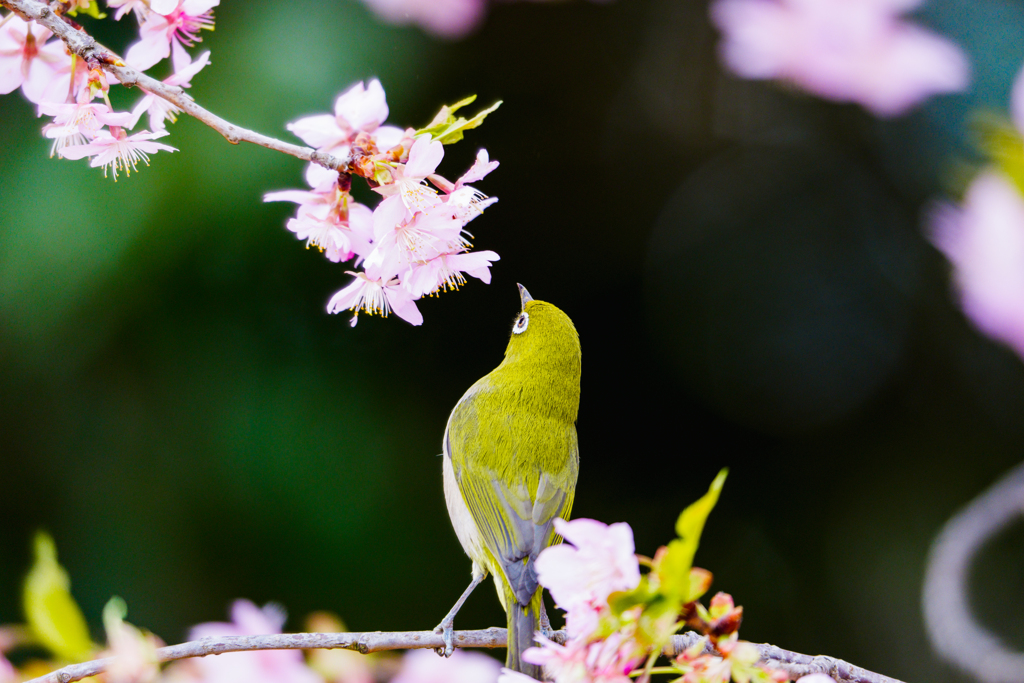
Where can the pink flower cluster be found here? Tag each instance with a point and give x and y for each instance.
(843, 50)
(67, 89)
(414, 243)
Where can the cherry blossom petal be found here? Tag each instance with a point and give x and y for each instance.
(424, 157)
(362, 107)
(320, 131)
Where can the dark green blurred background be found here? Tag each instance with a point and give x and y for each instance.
(746, 267)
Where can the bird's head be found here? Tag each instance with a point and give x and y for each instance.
(542, 334)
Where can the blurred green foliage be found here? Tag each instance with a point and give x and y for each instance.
(746, 266)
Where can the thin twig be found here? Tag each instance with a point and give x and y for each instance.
(85, 46)
(955, 632)
(376, 641)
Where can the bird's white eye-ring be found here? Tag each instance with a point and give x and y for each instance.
(522, 322)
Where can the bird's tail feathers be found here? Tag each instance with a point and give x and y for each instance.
(523, 622)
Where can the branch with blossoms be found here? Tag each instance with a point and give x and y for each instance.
(796, 665)
(619, 622)
(412, 244)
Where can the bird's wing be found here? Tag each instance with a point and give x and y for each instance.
(513, 502)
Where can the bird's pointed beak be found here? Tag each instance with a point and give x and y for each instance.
(524, 295)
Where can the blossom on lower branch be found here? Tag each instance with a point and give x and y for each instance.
(263, 666)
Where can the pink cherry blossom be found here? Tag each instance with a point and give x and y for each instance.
(117, 151)
(375, 296)
(42, 69)
(265, 666)
(399, 246)
(581, 578)
(76, 124)
(607, 660)
(159, 109)
(181, 25)
(465, 201)
(423, 666)
(445, 272)
(408, 178)
(361, 108)
(842, 50)
(984, 240)
(139, 7)
(444, 18)
(327, 217)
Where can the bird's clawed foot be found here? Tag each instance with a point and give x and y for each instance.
(447, 630)
(545, 623)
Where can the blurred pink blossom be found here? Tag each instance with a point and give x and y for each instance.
(133, 652)
(816, 678)
(8, 674)
(423, 666)
(581, 578)
(264, 666)
(984, 240)
(42, 69)
(608, 660)
(1017, 102)
(443, 18)
(842, 50)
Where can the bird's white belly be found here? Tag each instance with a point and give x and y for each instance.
(465, 527)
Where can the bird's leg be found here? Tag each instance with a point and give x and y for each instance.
(545, 622)
(447, 625)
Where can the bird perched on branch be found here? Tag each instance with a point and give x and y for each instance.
(510, 465)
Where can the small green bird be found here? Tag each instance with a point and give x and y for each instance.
(510, 465)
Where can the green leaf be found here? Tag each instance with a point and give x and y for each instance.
(999, 140)
(677, 560)
(620, 601)
(691, 523)
(93, 10)
(446, 128)
(53, 615)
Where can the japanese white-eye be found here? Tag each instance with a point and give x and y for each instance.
(510, 466)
